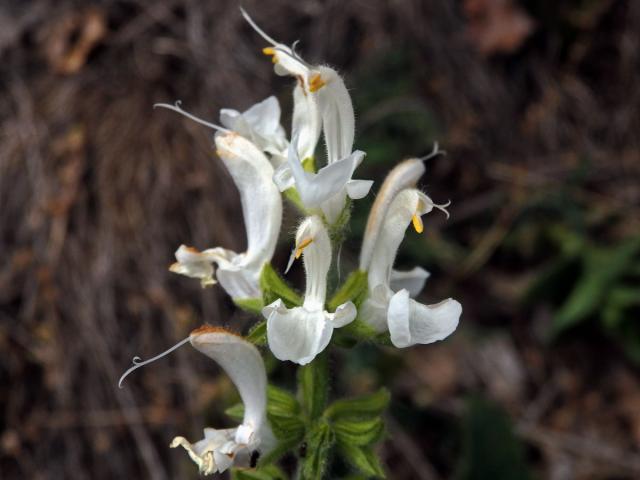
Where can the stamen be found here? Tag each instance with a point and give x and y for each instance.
(269, 51)
(304, 244)
(434, 153)
(417, 223)
(316, 82)
(177, 108)
(137, 361)
(258, 30)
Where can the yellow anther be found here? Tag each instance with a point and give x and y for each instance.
(269, 51)
(417, 223)
(316, 82)
(303, 244)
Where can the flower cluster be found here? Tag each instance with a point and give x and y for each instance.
(376, 302)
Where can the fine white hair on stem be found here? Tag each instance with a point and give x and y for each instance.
(177, 108)
(137, 361)
(257, 28)
(434, 153)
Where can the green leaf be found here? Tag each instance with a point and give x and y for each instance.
(313, 381)
(258, 333)
(274, 287)
(490, 448)
(269, 472)
(355, 288)
(363, 459)
(366, 406)
(319, 443)
(236, 412)
(282, 448)
(603, 268)
(251, 305)
(359, 432)
(285, 427)
(282, 402)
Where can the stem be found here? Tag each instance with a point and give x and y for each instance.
(313, 386)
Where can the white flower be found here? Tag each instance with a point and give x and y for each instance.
(239, 273)
(320, 94)
(300, 333)
(260, 124)
(389, 305)
(220, 449)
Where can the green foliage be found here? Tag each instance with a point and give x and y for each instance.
(587, 282)
(358, 432)
(273, 287)
(258, 333)
(353, 289)
(251, 305)
(319, 440)
(603, 270)
(363, 459)
(366, 406)
(269, 472)
(313, 382)
(490, 448)
(357, 425)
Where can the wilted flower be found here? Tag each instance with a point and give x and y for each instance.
(300, 333)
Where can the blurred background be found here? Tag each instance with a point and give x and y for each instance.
(538, 106)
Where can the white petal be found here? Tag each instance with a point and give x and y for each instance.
(404, 175)
(314, 189)
(240, 282)
(344, 314)
(296, 334)
(264, 117)
(411, 322)
(373, 310)
(229, 117)
(242, 362)
(357, 189)
(195, 264)
(261, 202)
(317, 261)
(338, 120)
(412, 280)
(283, 177)
(391, 234)
(306, 122)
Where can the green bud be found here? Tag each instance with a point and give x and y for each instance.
(281, 402)
(353, 289)
(258, 333)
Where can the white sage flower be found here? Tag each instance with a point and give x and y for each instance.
(241, 445)
(220, 449)
(389, 305)
(300, 333)
(239, 273)
(320, 97)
